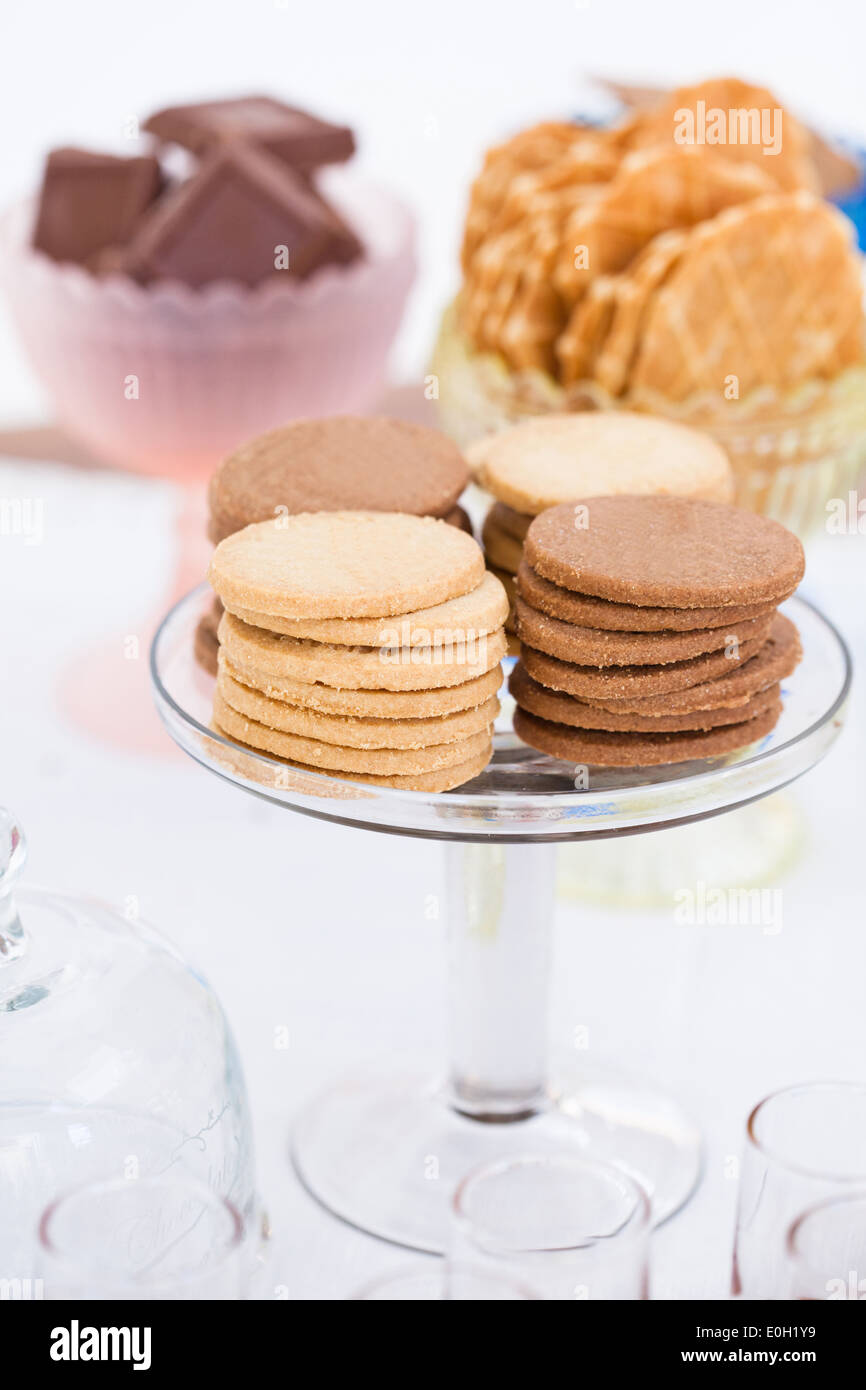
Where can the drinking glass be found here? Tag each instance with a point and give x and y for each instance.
(169, 1237)
(566, 1227)
(803, 1145)
(826, 1250)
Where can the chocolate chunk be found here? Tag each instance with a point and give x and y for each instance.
(302, 140)
(92, 201)
(230, 221)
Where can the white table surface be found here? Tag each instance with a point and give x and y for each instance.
(346, 958)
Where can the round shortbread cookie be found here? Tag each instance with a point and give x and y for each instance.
(557, 708)
(459, 517)
(381, 762)
(773, 662)
(477, 613)
(369, 704)
(562, 458)
(598, 748)
(345, 565)
(509, 522)
(619, 682)
(586, 611)
(502, 551)
(668, 552)
(206, 645)
(507, 581)
(351, 732)
(341, 463)
(358, 668)
(443, 779)
(586, 646)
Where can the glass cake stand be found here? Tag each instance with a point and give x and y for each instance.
(385, 1154)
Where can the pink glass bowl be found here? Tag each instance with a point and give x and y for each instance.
(166, 380)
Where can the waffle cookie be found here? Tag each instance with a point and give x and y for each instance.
(682, 254)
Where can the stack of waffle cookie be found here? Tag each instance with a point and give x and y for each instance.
(344, 463)
(649, 630)
(362, 644)
(554, 458)
(650, 265)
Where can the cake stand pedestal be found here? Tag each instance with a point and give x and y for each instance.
(385, 1153)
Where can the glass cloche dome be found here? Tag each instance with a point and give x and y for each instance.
(115, 1058)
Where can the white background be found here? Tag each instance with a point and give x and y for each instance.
(320, 928)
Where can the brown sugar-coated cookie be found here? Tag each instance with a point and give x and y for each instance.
(586, 611)
(340, 464)
(669, 552)
(206, 645)
(564, 709)
(507, 582)
(509, 522)
(775, 660)
(621, 682)
(502, 551)
(600, 748)
(345, 565)
(586, 646)
(457, 516)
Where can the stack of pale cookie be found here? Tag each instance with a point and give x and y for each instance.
(364, 644)
(345, 463)
(555, 458)
(649, 629)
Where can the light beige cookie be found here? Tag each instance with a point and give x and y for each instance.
(358, 668)
(501, 550)
(276, 774)
(381, 762)
(482, 610)
(370, 704)
(345, 565)
(352, 732)
(563, 458)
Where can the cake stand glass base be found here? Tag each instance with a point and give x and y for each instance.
(385, 1155)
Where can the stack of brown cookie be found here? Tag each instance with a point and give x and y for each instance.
(344, 463)
(552, 459)
(363, 644)
(649, 629)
